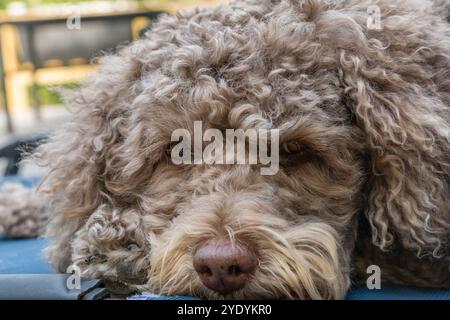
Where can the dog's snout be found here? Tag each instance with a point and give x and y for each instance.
(224, 266)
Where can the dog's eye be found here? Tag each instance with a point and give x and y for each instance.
(291, 147)
(132, 247)
(89, 259)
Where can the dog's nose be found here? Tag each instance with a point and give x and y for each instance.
(224, 266)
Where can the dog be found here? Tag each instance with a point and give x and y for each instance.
(362, 107)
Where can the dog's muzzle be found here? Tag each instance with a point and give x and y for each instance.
(224, 266)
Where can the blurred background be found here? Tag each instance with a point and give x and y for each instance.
(49, 43)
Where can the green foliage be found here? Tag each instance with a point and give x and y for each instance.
(47, 96)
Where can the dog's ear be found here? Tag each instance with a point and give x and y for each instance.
(102, 153)
(399, 98)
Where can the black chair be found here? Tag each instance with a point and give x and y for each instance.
(13, 150)
(42, 42)
(52, 40)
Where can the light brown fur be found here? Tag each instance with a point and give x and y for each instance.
(369, 107)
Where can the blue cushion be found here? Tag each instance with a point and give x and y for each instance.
(388, 292)
(25, 181)
(25, 256)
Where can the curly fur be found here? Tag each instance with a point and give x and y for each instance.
(369, 107)
(22, 212)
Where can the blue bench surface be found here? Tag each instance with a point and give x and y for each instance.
(23, 256)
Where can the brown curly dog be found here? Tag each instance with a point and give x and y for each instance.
(364, 174)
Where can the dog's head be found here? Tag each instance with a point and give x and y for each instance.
(362, 130)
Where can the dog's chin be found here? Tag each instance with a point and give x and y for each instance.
(301, 262)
